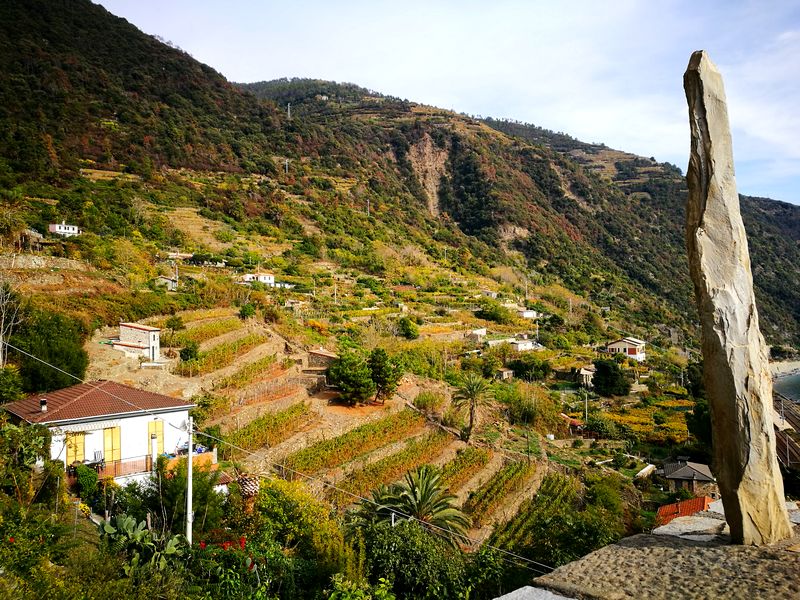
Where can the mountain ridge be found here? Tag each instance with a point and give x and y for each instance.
(606, 223)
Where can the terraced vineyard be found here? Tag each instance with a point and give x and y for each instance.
(464, 466)
(272, 428)
(355, 443)
(206, 331)
(220, 356)
(482, 503)
(416, 452)
(246, 375)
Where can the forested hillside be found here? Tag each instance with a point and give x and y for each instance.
(84, 89)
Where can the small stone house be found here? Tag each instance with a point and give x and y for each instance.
(170, 283)
(695, 477)
(139, 340)
(321, 358)
(504, 374)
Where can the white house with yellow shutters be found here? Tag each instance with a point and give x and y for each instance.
(114, 428)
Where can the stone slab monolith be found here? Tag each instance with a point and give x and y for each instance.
(736, 369)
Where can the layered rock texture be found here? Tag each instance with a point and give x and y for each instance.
(737, 376)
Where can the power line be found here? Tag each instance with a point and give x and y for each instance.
(437, 530)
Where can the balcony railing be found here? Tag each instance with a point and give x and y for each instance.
(136, 465)
(114, 468)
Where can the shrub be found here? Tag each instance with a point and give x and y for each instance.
(190, 351)
(407, 328)
(428, 401)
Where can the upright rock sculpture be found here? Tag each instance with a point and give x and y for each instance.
(737, 378)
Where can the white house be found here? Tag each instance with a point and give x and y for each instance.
(500, 342)
(630, 347)
(137, 339)
(267, 279)
(526, 313)
(116, 429)
(525, 345)
(64, 229)
(489, 293)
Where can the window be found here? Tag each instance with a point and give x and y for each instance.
(111, 444)
(76, 447)
(156, 427)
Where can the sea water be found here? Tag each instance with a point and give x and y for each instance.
(789, 386)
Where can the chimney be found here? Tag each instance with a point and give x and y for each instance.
(43, 404)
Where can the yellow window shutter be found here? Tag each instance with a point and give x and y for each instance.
(117, 443)
(156, 427)
(112, 444)
(76, 447)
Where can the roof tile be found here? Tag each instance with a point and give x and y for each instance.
(91, 399)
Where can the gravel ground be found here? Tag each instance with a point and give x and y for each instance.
(662, 567)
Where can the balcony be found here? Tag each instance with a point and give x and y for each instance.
(137, 465)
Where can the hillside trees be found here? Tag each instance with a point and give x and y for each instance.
(609, 379)
(352, 375)
(421, 496)
(52, 354)
(385, 373)
(471, 393)
(359, 379)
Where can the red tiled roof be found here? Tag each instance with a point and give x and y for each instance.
(92, 399)
(684, 508)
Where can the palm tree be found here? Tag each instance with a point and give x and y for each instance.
(420, 497)
(472, 392)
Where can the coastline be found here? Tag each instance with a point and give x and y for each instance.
(785, 368)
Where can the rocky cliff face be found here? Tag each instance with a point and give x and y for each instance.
(429, 164)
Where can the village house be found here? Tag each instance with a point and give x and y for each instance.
(116, 429)
(489, 293)
(585, 376)
(63, 229)
(504, 374)
(630, 347)
(477, 335)
(525, 345)
(499, 342)
(170, 283)
(527, 313)
(136, 339)
(695, 477)
(267, 279)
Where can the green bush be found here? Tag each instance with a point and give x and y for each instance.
(407, 328)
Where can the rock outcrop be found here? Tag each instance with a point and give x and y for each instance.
(429, 163)
(737, 376)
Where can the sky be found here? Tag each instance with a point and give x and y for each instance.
(607, 72)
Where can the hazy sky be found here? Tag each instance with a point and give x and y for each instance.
(606, 72)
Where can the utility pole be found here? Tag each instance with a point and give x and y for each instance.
(367, 207)
(289, 110)
(189, 512)
(335, 295)
(286, 166)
